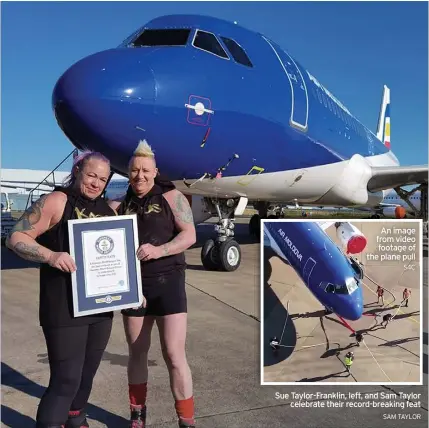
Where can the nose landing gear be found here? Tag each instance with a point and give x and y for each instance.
(218, 255)
(223, 252)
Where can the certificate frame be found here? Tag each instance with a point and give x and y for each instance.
(90, 303)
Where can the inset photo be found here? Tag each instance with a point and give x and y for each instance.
(341, 302)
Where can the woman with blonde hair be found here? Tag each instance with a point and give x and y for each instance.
(166, 229)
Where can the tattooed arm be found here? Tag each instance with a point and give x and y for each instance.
(184, 222)
(41, 216)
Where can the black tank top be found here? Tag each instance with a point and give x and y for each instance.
(156, 226)
(56, 301)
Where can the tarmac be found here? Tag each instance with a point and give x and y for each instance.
(223, 348)
(313, 345)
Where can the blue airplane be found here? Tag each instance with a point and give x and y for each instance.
(232, 118)
(332, 277)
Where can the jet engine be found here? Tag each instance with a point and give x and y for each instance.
(351, 238)
(395, 212)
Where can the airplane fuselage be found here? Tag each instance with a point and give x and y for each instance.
(198, 107)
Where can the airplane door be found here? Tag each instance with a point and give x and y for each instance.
(308, 268)
(299, 110)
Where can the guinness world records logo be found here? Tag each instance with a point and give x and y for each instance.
(104, 244)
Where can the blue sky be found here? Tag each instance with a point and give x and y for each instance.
(352, 49)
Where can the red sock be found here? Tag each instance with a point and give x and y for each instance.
(185, 409)
(137, 393)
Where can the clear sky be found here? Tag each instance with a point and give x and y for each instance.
(351, 48)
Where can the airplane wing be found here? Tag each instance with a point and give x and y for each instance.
(384, 205)
(386, 177)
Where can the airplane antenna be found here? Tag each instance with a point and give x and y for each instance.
(223, 168)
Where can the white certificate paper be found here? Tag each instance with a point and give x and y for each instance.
(105, 260)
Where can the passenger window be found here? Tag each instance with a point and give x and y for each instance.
(162, 38)
(209, 43)
(237, 52)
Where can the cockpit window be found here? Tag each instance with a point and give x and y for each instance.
(334, 288)
(351, 285)
(176, 37)
(209, 43)
(237, 52)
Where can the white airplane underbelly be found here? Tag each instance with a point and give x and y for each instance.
(342, 183)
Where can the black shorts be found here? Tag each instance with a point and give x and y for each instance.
(165, 295)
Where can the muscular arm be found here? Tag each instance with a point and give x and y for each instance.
(42, 215)
(184, 223)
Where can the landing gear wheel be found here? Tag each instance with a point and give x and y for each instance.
(229, 255)
(255, 225)
(208, 256)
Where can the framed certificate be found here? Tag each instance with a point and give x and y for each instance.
(107, 276)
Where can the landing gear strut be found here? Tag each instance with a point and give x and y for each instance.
(255, 220)
(223, 252)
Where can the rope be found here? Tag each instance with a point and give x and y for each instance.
(287, 317)
(293, 346)
(399, 308)
(400, 359)
(302, 347)
(375, 359)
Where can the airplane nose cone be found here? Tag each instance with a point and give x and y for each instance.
(96, 99)
(355, 306)
(356, 312)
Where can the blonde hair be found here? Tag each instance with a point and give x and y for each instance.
(144, 150)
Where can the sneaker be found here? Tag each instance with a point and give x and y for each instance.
(77, 420)
(138, 417)
(186, 423)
